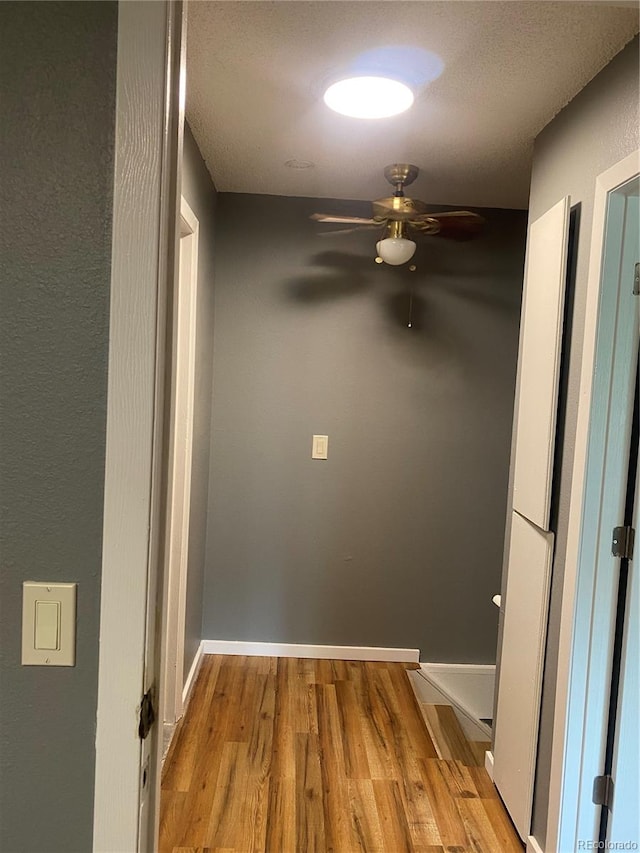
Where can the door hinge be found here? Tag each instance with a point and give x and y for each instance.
(636, 280)
(603, 791)
(147, 714)
(622, 542)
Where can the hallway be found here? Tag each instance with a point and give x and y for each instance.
(293, 755)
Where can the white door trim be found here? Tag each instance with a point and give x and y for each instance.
(570, 691)
(624, 820)
(142, 266)
(180, 456)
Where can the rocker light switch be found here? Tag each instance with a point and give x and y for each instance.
(320, 447)
(48, 624)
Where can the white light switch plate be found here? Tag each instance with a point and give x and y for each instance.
(320, 447)
(47, 625)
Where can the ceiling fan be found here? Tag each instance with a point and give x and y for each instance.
(403, 218)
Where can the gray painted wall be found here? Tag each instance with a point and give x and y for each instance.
(198, 190)
(396, 540)
(58, 67)
(597, 129)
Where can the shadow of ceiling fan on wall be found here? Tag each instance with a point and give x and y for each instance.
(403, 218)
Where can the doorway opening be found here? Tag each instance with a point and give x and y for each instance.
(604, 440)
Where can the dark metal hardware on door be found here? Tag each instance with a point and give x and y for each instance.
(622, 542)
(147, 714)
(636, 280)
(603, 791)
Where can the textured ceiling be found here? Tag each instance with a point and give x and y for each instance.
(256, 72)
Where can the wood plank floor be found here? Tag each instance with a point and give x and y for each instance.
(303, 756)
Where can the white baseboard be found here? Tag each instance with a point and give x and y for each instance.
(468, 686)
(429, 694)
(299, 650)
(462, 668)
(488, 763)
(533, 846)
(169, 729)
(195, 666)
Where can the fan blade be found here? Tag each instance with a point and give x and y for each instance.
(449, 214)
(351, 230)
(342, 220)
(452, 224)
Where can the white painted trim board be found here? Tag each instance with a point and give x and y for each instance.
(183, 343)
(172, 728)
(130, 459)
(613, 177)
(469, 686)
(533, 846)
(193, 672)
(488, 763)
(539, 363)
(431, 692)
(520, 688)
(460, 668)
(301, 650)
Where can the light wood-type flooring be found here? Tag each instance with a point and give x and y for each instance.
(309, 756)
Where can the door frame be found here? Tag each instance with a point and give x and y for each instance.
(149, 115)
(573, 676)
(180, 457)
(627, 736)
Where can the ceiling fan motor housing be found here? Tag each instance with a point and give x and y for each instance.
(401, 173)
(398, 207)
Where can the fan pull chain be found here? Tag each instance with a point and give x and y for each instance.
(409, 324)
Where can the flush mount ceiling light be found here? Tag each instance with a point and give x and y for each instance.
(368, 97)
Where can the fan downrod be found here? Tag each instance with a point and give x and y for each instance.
(400, 175)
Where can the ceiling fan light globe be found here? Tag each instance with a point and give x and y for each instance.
(368, 97)
(396, 250)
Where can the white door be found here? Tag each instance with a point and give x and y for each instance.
(521, 663)
(539, 363)
(526, 600)
(180, 453)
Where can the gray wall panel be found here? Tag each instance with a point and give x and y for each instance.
(58, 73)
(396, 540)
